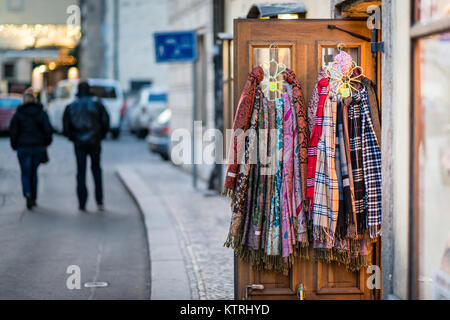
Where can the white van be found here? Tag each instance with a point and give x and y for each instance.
(108, 90)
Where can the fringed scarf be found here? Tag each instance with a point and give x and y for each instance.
(241, 124)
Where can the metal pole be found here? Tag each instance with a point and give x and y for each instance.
(194, 118)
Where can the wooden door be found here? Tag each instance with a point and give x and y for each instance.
(303, 45)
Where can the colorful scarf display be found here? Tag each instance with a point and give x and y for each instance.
(298, 187)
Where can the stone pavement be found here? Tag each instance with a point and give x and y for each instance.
(186, 229)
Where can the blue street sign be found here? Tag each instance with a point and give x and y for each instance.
(178, 46)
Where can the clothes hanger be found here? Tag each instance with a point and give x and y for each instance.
(271, 84)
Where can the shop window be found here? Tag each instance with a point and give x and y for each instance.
(8, 70)
(430, 241)
(431, 10)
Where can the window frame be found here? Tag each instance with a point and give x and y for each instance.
(418, 31)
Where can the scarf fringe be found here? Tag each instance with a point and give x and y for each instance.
(228, 192)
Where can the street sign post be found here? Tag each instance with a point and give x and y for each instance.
(175, 47)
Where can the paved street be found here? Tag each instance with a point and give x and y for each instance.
(36, 247)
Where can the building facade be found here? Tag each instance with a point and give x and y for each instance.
(46, 38)
(118, 41)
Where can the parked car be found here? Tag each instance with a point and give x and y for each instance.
(159, 134)
(108, 90)
(8, 106)
(150, 103)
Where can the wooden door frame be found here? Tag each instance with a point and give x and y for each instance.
(239, 78)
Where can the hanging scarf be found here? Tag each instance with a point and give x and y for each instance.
(352, 231)
(258, 209)
(371, 167)
(241, 124)
(322, 87)
(341, 226)
(287, 189)
(273, 245)
(301, 222)
(357, 166)
(314, 103)
(326, 193)
(375, 113)
(240, 196)
(302, 125)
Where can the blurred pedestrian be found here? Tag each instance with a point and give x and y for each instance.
(86, 123)
(30, 134)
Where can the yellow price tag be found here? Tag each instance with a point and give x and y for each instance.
(344, 91)
(273, 86)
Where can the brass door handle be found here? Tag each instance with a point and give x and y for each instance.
(252, 287)
(300, 291)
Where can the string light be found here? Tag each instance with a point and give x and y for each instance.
(23, 36)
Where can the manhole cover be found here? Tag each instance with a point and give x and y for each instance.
(96, 284)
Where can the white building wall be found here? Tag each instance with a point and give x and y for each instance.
(139, 19)
(191, 15)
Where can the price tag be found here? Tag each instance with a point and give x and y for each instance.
(273, 86)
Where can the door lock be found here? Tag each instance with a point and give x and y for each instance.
(252, 287)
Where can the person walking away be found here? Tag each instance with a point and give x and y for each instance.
(86, 123)
(30, 134)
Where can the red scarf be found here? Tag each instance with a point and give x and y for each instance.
(322, 88)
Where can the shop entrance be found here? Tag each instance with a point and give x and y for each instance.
(303, 46)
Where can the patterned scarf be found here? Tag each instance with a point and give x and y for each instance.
(314, 103)
(302, 125)
(371, 167)
(288, 204)
(326, 193)
(299, 212)
(273, 245)
(239, 202)
(241, 124)
(322, 87)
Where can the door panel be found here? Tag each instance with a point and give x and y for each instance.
(304, 46)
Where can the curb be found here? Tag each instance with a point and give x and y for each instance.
(169, 279)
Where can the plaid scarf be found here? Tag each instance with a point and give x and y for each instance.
(322, 87)
(326, 193)
(357, 165)
(371, 166)
(241, 124)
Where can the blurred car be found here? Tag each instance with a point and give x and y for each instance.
(159, 134)
(8, 106)
(108, 90)
(150, 102)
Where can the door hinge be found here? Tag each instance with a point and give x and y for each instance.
(377, 46)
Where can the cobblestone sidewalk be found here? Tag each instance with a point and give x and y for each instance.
(200, 222)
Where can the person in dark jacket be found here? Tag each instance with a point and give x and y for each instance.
(30, 134)
(86, 123)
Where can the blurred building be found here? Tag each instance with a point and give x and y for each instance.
(118, 41)
(34, 41)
